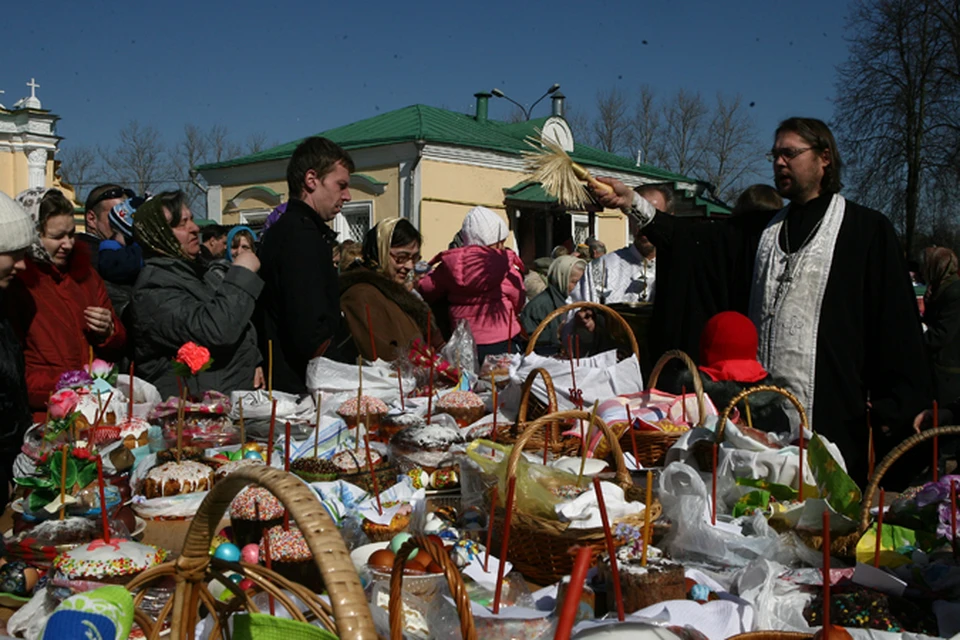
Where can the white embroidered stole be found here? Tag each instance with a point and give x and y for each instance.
(786, 299)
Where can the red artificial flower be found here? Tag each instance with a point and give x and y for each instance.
(193, 356)
(82, 454)
(63, 403)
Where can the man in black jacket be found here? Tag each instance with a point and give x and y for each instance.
(16, 233)
(300, 304)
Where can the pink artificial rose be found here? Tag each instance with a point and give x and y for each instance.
(100, 369)
(63, 403)
(193, 356)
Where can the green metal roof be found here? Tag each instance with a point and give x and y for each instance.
(529, 191)
(430, 124)
(712, 207)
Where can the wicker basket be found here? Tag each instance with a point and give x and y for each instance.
(772, 635)
(532, 408)
(541, 549)
(192, 571)
(652, 446)
(457, 589)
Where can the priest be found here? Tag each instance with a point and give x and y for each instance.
(825, 282)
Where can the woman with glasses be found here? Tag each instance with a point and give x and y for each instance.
(59, 305)
(381, 283)
(173, 303)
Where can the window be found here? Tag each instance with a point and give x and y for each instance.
(581, 228)
(354, 221)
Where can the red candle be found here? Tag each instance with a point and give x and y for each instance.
(130, 400)
(800, 470)
(936, 443)
(430, 393)
(611, 549)
(429, 329)
(273, 423)
(826, 573)
(373, 475)
(373, 344)
(286, 467)
(508, 516)
(876, 550)
(633, 438)
(103, 501)
(573, 375)
(493, 509)
(571, 603)
(713, 490)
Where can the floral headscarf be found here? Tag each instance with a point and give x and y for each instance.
(152, 230)
(30, 200)
(376, 245)
(939, 269)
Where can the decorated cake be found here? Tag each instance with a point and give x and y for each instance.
(244, 510)
(860, 607)
(641, 586)
(174, 478)
(291, 557)
(380, 532)
(392, 423)
(115, 561)
(315, 469)
(427, 447)
(372, 408)
(134, 433)
(229, 467)
(465, 407)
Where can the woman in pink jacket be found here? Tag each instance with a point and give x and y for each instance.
(482, 282)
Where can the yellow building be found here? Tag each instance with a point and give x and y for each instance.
(28, 146)
(431, 166)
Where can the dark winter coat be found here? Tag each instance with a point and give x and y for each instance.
(173, 304)
(942, 339)
(14, 408)
(549, 343)
(300, 306)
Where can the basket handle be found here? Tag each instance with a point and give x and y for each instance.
(350, 608)
(888, 461)
(676, 354)
(532, 343)
(623, 476)
(725, 414)
(454, 580)
(528, 388)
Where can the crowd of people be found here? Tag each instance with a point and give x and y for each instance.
(823, 281)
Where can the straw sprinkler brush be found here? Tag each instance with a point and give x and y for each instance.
(560, 176)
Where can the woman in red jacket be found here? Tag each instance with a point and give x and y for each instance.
(59, 306)
(482, 282)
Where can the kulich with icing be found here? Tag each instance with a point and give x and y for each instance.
(229, 467)
(101, 559)
(174, 478)
(256, 499)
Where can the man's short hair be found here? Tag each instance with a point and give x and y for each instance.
(663, 190)
(318, 154)
(105, 192)
(758, 197)
(212, 231)
(818, 135)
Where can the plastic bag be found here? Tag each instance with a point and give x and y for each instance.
(686, 500)
(338, 381)
(145, 395)
(461, 350)
(299, 411)
(539, 489)
(779, 604)
(599, 377)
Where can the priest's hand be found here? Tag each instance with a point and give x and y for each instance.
(258, 380)
(620, 198)
(924, 419)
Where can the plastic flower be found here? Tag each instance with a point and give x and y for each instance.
(74, 379)
(194, 357)
(82, 454)
(99, 369)
(63, 403)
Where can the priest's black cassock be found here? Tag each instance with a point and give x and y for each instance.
(869, 336)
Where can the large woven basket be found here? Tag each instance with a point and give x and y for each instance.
(543, 550)
(532, 408)
(562, 311)
(652, 446)
(194, 569)
(772, 635)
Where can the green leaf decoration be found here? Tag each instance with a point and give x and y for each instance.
(833, 483)
(35, 482)
(781, 492)
(71, 471)
(40, 498)
(87, 474)
(750, 502)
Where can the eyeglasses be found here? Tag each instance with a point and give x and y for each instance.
(789, 153)
(110, 194)
(404, 257)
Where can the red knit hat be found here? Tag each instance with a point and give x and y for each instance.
(728, 349)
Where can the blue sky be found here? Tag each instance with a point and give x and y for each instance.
(290, 69)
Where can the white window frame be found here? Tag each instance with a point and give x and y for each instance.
(353, 207)
(255, 217)
(583, 219)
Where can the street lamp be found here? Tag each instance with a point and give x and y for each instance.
(526, 112)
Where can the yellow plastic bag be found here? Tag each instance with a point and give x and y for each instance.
(539, 489)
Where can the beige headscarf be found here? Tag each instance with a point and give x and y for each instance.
(559, 274)
(376, 245)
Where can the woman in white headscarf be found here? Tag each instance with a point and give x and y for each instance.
(481, 283)
(565, 272)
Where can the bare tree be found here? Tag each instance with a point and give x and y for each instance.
(579, 123)
(139, 160)
(684, 120)
(730, 147)
(893, 98)
(257, 142)
(611, 127)
(219, 145)
(79, 167)
(645, 126)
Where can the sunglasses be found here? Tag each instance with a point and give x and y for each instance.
(110, 194)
